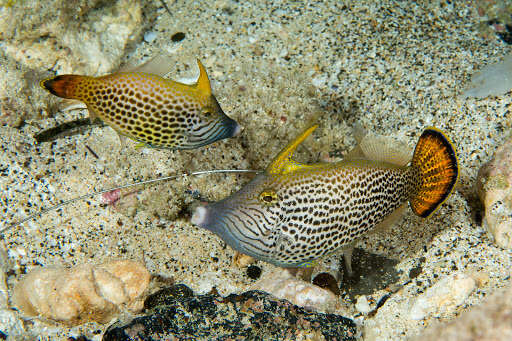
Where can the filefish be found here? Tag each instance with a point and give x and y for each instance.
(152, 110)
(294, 214)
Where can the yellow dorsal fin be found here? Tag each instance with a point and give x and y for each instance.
(203, 83)
(283, 162)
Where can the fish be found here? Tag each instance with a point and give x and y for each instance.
(293, 214)
(147, 108)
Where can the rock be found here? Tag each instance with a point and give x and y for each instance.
(85, 36)
(242, 260)
(4, 294)
(11, 326)
(167, 296)
(494, 186)
(252, 315)
(82, 293)
(282, 284)
(362, 305)
(444, 296)
(17, 83)
(487, 322)
(491, 80)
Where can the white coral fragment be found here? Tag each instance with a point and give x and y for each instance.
(82, 293)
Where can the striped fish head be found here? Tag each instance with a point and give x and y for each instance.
(207, 123)
(249, 220)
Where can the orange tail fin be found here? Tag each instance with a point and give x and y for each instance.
(436, 162)
(65, 86)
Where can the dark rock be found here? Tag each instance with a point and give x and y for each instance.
(253, 315)
(327, 281)
(253, 272)
(167, 296)
(177, 37)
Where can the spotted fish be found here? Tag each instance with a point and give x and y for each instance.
(145, 107)
(294, 213)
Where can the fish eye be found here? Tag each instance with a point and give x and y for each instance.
(207, 112)
(268, 197)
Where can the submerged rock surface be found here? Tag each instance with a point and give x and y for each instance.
(253, 315)
(494, 185)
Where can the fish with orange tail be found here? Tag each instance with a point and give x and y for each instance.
(152, 110)
(294, 213)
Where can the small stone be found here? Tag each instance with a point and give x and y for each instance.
(4, 294)
(494, 186)
(242, 260)
(253, 272)
(362, 305)
(177, 37)
(319, 81)
(150, 36)
(283, 285)
(168, 296)
(444, 296)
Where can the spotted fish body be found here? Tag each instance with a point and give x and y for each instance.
(294, 214)
(150, 109)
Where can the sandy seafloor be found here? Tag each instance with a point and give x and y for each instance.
(393, 66)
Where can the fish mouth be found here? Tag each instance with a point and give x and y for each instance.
(200, 217)
(237, 130)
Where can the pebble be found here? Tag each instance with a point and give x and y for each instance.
(362, 305)
(443, 297)
(283, 285)
(150, 36)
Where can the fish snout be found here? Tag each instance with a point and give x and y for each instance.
(237, 129)
(232, 127)
(199, 216)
